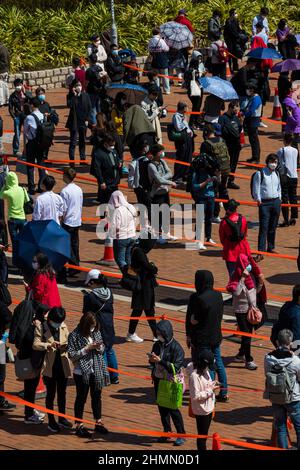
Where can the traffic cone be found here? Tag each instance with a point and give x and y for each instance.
(242, 137)
(276, 107)
(216, 444)
(228, 73)
(108, 258)
(41, 390)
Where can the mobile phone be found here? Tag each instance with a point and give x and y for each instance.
(149, 354)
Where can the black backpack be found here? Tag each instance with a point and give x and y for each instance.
(144, 180)
(262, 175)
(44, 133)
(5, 296)
(236, 229)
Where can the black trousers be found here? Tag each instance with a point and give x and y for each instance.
(203, 424)
(163, 223)
(30, 387)
(56, 384)
(74, 235)
(184, 153)
(254, 142)
(2, 380)
(134, 323)
(74, 134)
(234, 153)
(196, 106)
(245, 327)
(233, 64)
(289, 196)
(34, 155)
(82, 390)
(143, 197)
(219, 70)
(104, 194)
(166, 414)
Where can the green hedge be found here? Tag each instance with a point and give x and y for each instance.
(44, 38)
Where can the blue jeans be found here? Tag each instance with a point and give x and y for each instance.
(15, 226)
(111, 361)
(269, 212)
(96, 108)
(219, 367)
(122, 252)
(17, 132)
(165, 80)
(281, 412)
(209, 207)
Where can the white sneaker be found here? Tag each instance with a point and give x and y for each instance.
(162, 240)
(155, 340)
(201, 246)
(262, 124)
(39, 414)
(211, 241)
(134, 338)
(168, 236)
(33, 420)
(251, 365)
(216, 220)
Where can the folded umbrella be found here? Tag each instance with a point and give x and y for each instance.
(264, 53)
(45, 236)
(177, 36)
(134, 93)
(218, 87)
(286, 65)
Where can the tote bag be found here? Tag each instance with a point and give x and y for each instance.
(24, 369)
(169, 394)
(195, 88)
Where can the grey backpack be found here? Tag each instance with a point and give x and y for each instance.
(279, 385)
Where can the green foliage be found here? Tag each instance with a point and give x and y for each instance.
(41, 37)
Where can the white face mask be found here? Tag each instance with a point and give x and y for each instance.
(19, 88)
(97, 43)
(111, 148)
(78, 89)
(92, 329)
(248, 92)
(55, 325)
(272, 166)
(161, 338)
(35, 265)
(146, 149)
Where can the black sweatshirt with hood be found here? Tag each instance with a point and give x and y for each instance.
(206, 305)
(170, 351)
(100, 302)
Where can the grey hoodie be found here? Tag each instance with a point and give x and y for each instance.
(283, 357)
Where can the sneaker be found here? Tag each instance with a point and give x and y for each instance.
(18, 154)
(251, 365)
(39, 414)
(164, 439)
(64, 423)
(54, 427)
(81, 431)
(161, 240)
(168, 236)
(201, 246)
(155, 340)
(262, 124)
(258, 258)
(134, 338)
(232, 185)
(211, 241)
(6, 406)
(115, 381)
(179, 441)
(252, 160)
(216, 220)
(222, 398)
(167, 92)
(101, 429)
(33, 420)
(239, 358)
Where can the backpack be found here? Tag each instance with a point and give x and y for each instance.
(279, 385)
(236, 229)
(220, 153)
(223, 56)
(44, 134)
(262, 175)
(5, 296)
(173, 135)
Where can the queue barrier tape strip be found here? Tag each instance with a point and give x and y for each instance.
(145, 432)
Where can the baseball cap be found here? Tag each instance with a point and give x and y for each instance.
(182, 11)
(218, 129)
(93, 274)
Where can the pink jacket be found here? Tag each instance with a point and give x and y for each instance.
(201, 392)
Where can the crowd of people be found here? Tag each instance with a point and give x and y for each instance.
(38, 326)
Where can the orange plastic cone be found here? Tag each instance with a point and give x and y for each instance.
(108, 258)
(216, 444)
(242, 137)
(41, 389)
(228, 73)
(277, 115)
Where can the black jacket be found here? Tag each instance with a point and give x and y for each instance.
(115, 68)
(145, 298)
(5, 318)
(171, 352)
(15, 105)
(80, 108)
(101, 302)
(95, 85)
(231, 128)
(4, 59)
(105, 168)
(207, 307)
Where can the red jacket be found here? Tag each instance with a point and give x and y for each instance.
(183, 20)
(45, 290)
(231, 249)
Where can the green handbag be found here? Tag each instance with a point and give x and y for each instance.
(169, 394)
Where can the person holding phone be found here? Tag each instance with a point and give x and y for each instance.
(51, 338)
(245, 283)
(86, 350)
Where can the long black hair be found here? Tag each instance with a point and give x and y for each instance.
(45, 266)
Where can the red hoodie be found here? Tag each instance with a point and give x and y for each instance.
(183, 20)
(232, 249)
(45, 290)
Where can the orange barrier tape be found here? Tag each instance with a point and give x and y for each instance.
(149, 71)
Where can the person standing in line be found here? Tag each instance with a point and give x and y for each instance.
(86, 351)
(80, 107)
(195, 71)
(16, 197)
(289, 317)
(165, 353)
(261, 18)
(153, 112)
(48, 206)
(232, 35)
(202, 394)
(219, 57)
(96, 48)
(100, 301)
(287, 164)
(214, 26)
(15, 106)
(72, 197)
(95, 87)
(122, 228)
(252, 114)
(293, 121)
(245, 283)
(267, 193)
(158, 48)
(34, 154)
(5, 321)
(183, 19)
(51, 338)
(184, 146)
(115, 67)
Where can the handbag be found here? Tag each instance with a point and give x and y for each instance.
(24, 369)
(169, 394)
(28, 205)
(131, 281)
(195, 88)
(173, 135)
(254, 315)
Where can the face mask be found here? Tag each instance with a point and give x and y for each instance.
(162, 154)
(248, 92)
(42, 97)
(249, 268)
(161, 338)
(272, 166)
(92, 329)
(123, 102)
(78, 89)
(35, 265)
(97, 43)
(19, 88)
(115, 53)
(146, 149)
(55, 325)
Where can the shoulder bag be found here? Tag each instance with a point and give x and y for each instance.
(254, 315)
(169, 394)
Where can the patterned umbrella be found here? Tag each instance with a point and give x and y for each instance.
(176, 35)
(286, 65)
(218, 87)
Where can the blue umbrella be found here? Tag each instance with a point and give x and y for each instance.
(45, 236)
(134, 93)
(218, 87)
(264, 53)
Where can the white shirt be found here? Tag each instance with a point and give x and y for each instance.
(268, 188)
(288, 158)
(48, 206)
(122, 224)
(72, 197)
(157, 44)
(30, 126)
(264, 21)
